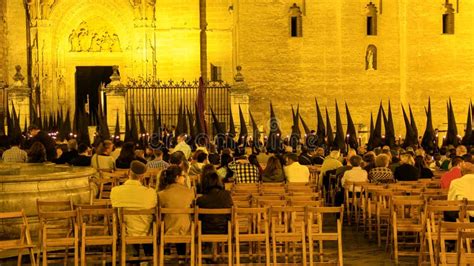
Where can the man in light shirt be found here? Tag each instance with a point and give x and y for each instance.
(14, 154)
(463, 188)
(133, 195)
(182, 146)
(294, 171)
(356, 174)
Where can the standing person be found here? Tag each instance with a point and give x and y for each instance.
(182, 146)
(38, 135)
(273, 171)
(175, 194)
(15, 154)
(294, 171)
(125, 196)
(244, 171)
(37, 153)
(83, 159)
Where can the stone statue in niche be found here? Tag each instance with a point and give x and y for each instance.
(84, 39)
(61, 88)
(371, 58)
(137, 8)
(46, 7)
(150, 9)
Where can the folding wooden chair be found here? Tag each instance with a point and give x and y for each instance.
(242, 201)
(434, 212)
(98, 228)
(453, 231)
(272, 189)
(316, 231)
(152, 177)
(105, 184)
(177, 239)
(214, 238)
(287, 228)
(251, 225)
(407, 218)
(151, 238)
(24, 239)
(464, 252)
(44, 208)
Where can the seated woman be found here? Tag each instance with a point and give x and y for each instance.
(214, 197)
(37, 153)
(274, 171)
(381, 174)
(177, 196)
(420, 163)
(102, 159)
(127, 155)
(406, 171)
(223, 170)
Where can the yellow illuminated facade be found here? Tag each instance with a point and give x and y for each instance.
(358, 51)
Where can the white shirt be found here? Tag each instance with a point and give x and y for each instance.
(296, 172)
(356, 174)
(134, 196)
(462, 188)
(182, 146)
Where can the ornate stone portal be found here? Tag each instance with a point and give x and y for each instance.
(19, 96)
(87, 39)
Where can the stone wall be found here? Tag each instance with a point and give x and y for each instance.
(415, 60)
(3, 42)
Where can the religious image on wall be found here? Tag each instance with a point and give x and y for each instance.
(87, 38)
(371, 58)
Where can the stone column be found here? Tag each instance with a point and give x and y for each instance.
(239, 95)
(19, 96)
(115, 93)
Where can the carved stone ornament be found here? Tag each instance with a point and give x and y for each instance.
(100, 39)
(239, 86)
(115, 87)
(18, 89)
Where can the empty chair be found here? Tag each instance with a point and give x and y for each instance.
(23, 240)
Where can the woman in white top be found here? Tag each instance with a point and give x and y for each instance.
(102, 160)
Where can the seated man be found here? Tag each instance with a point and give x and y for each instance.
(294, 171)
(356, 174)
(14, 154)
(134, 196)
(453, 174)
(244, 171)
(462, 188)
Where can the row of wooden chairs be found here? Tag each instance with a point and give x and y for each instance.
(97, 225)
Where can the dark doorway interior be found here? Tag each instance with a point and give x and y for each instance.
(88, 80)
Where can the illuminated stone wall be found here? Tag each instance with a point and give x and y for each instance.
(3, 42)
(414, 59)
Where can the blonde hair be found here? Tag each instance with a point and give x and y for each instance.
(407, 159)
(382, 160)
(334, 154)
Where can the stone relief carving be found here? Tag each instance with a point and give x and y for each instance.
(41, 11)
(84, 39)
(143, 9)
(371, 58)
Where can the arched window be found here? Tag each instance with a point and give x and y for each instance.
(371, 57)
(371, 19)
(448, 19)
(296, 21)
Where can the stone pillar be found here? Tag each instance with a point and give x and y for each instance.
(19, 96)
(239, 96)
(115, 93)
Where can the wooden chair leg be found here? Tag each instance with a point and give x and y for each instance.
(199, 255)
(32, 256)
(114, 252)
(303, 243)
(229, 245)
(274, 249)
(193, 248)
(311, 247)
(267, 246)
(155, 244)
(45, 257)
(162, 245)
(395, 242)
(237, 244)
(123, 252)
(339, 242)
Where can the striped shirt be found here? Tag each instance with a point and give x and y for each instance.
(14, 155)
(158, 164)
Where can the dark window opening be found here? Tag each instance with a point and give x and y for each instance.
(369, 26)
(448, 23)
(216, 73)
(294, 26)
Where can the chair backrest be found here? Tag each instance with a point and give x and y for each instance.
(251, 219)
(98, 221)
(24, 234)
(207, 211)
(127, 215)
(49, 212)
(315, 215)
(408, 207)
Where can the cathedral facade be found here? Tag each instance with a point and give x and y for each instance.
(291, 51)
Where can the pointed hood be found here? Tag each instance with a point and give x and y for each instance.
(371, 129)
(390, 129)
(83, 130)
(243, 129)
(128, 136)
(321, 130)
(409, 135)
(155, 119)
(2, 124)
(376, 137)
(306, 129)
(193, 128)
(329, 133)
(179, 123)
(117, 129)
(274, 126)
(104, 132)
(428, 141)
(351, 131)
(339, 139)
(273, 143)
(255, 135)
(466, 140)
(452, 134)
(217, 128)
(295, 129)
(133, 126)
(231, 124)
(413, 124)
(9, 123)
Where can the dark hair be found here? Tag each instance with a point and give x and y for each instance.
(273, 164)
(253, 160)
(467, 157)
(15, 141)
(127, 153)
(201, 157)
(157, 152)
(292, 156)
(355, 160)
(169, 176)
(177, 158)
(225, 159)
(420, 162)
(37, 153)
(82, 148)
(457, 160)
(210, 180)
